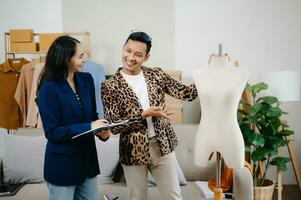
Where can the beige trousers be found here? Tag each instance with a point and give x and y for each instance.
(163, 170)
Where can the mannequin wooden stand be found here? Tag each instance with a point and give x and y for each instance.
(294, 161)
(218, 192)
(295, 168)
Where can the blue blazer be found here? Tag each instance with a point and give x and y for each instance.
(68, 162)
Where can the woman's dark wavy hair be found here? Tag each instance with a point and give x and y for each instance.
(58, 58)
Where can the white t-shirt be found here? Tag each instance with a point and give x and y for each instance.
(138, 84)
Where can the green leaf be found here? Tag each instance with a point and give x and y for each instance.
(258, 154)
(248, 120)
(274, 141)
(268, 99)
(272, 152)
(254, 109)
(281, 143)
(280, 162)
(247, 132)
(274, 112)
(265, 107)
(258, 87)
(256, 139)
(285, 132)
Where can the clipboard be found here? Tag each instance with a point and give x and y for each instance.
(106, 127)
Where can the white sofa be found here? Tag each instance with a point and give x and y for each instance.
(242, 180)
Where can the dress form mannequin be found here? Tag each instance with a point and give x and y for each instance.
(220, 86)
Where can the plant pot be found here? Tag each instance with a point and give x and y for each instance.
(265, 191)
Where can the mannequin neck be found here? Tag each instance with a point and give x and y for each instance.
(219, 62)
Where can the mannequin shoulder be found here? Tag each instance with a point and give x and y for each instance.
(242, 72)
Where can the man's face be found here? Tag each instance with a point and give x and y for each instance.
(133, 56)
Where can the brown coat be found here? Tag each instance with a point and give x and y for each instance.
(120, 102)
(10, 116)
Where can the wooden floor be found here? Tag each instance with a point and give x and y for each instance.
(289, 192)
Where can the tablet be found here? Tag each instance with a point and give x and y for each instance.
(106, 127)
(10, 189)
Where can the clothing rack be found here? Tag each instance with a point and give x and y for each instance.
(10, 54)
(83, 37)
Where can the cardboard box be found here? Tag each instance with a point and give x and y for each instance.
(28, 47)
(177, 116)
(20, 35)
(46, 39)
(177, 75)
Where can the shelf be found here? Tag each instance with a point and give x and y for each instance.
(37, 52)
(83, 37)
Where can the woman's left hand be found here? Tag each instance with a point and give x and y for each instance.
(104, 134)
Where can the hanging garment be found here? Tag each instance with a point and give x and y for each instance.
(23, 89)
(33, 118)
(98, 74)
(10, 116)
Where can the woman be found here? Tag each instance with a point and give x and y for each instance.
(66, 102)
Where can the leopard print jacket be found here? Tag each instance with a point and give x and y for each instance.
(120, 102)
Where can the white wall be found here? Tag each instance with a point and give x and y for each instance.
(262, 35)
(39, 15)
(111, 21)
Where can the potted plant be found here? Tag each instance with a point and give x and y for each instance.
(264, 133)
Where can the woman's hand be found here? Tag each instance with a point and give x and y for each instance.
(156, 111)
(98, 124)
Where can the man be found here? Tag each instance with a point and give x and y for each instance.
(136, 93)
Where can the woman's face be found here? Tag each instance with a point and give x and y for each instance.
(77, 60)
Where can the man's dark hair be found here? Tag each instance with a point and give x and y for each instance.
(141, 37)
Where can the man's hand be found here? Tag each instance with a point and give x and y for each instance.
(104, 134)
(156, 111)
(101, 123)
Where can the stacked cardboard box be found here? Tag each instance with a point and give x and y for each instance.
(46, 39)
(21, 41)
(175, 105)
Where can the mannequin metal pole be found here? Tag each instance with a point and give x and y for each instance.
(218, 190)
